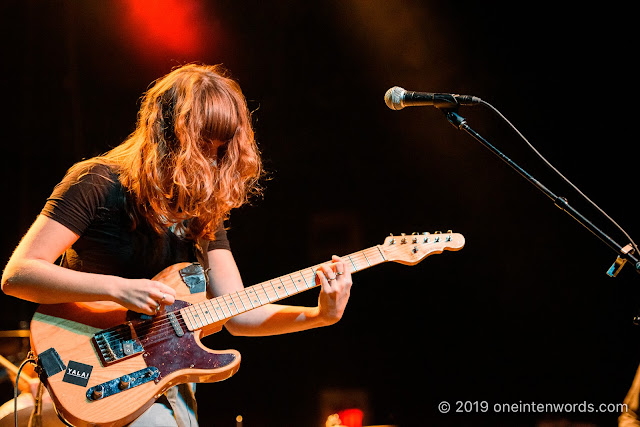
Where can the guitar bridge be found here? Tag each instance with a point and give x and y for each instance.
(116, 344)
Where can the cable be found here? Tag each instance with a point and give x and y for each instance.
(635, 247)
(15, 391)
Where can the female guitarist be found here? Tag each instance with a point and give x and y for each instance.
(155, 200)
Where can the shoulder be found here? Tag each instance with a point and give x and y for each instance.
(91, 172)
(88, 179)
(86, 188)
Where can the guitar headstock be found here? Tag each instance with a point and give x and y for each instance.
(411, 249)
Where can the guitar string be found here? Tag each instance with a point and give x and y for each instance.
(159, 325)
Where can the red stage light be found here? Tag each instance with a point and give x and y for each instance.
(166, 28)
(351, 417)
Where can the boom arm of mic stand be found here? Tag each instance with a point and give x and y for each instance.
(624, 253)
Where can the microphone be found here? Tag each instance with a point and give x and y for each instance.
(397, 98)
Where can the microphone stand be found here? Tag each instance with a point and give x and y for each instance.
(624, 253)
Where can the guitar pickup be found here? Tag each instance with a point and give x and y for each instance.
(175, 324)
(129, 348)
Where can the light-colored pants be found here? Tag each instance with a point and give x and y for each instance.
(178, 409)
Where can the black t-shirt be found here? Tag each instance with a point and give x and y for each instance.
(91, 202)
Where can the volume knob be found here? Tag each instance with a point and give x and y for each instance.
(97, 393)
(124, 383)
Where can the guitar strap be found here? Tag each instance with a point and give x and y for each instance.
(201, 247)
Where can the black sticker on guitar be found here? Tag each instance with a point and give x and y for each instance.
(77, 373)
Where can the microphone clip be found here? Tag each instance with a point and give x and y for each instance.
(456, 120)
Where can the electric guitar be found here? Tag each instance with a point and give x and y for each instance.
(104, 365)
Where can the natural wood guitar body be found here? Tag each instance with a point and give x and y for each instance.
(70, 328)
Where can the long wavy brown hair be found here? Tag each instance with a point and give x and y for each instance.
(192, 157)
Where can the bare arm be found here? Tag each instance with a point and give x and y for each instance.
(275, 319)
(32, 275)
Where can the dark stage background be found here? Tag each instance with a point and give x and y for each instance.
(524, 313)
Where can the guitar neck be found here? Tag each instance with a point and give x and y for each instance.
(218, 309)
